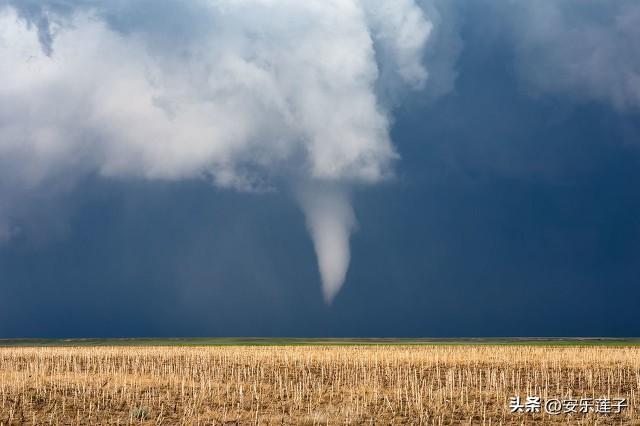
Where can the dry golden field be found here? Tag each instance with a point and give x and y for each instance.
(310, 384)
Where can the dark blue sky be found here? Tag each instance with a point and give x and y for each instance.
(511, 214)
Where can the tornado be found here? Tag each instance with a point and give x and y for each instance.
(330, 220)
(248, 95)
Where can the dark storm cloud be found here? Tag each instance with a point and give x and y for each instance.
(514, 212)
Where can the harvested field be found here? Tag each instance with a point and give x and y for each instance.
(376, 384)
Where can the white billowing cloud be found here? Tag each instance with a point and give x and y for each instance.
(401, 34)
(271, 81)
(237, 91)
(587, 49)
